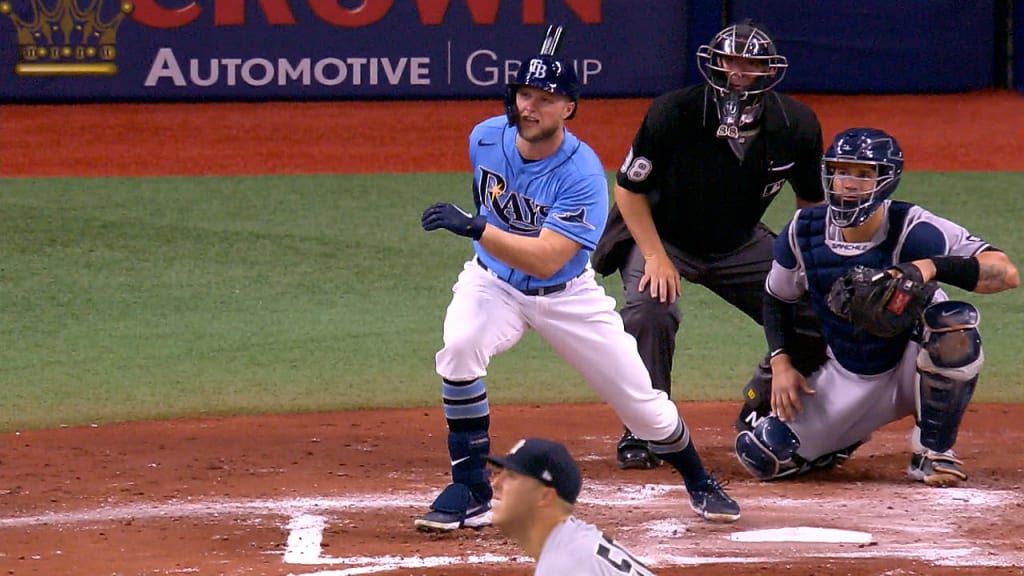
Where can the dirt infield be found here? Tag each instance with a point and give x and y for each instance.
(334, 494)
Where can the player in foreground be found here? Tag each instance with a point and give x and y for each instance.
(542, 198)
(535, 490)
(897, 345)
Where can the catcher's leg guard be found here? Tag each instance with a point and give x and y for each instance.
(948, 365)
(769, 451)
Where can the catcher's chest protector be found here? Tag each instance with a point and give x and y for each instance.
(855, 350)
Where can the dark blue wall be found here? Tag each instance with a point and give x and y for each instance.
(881, 45)
(1018, 45)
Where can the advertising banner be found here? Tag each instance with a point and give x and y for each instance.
(80, 50)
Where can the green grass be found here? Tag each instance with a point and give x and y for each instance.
(125, 299)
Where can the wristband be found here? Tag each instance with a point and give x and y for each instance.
(957, 271)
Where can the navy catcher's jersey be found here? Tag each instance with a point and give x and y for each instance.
(576, 547)
(810, 254)
(704, 199)
(566, 192)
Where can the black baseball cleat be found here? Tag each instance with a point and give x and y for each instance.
(635, 454)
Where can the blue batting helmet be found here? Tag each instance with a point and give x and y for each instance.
(870, 147)
(546, 72)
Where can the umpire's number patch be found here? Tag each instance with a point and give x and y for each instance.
(636, 169)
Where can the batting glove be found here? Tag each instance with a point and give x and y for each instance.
(452, 218)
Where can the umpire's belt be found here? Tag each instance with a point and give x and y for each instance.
(542, 291)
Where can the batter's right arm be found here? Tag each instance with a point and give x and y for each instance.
(659, 271)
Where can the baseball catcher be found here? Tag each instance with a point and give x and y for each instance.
(899, 346)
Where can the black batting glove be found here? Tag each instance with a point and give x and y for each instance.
(454, 219)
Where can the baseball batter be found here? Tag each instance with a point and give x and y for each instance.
(928, 368)
(535, 493)
(542, 198)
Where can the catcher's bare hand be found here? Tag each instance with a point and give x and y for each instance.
(661, 276)
(787, 386)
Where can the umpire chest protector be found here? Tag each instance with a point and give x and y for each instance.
(855, 350)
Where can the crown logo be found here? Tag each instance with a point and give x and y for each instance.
(66, 40)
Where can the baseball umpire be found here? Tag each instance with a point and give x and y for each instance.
(899, 346)
(703, 168)
(542, 195)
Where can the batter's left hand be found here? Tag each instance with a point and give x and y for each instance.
(454, 219)
(662, 277)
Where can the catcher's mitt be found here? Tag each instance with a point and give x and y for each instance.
(880, 303)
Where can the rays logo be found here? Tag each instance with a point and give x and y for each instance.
(577, 217)
(521, 214)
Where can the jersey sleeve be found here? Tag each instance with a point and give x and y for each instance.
(926, 235)
(581, 209)
(787, 279)
(639, 170)
(806, 179)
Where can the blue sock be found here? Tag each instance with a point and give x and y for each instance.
(468, 415)
(678, 450)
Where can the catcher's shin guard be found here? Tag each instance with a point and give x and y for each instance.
(948, 365)
(769, 451)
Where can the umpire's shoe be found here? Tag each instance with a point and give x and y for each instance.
(635, 454)
(710, 502)
(937, 468)
(456, 507)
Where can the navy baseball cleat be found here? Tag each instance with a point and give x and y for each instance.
(456, 507)
(711, 502)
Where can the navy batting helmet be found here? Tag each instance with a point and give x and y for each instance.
(546, 72)
(870, 147)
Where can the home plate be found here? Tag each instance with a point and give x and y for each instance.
(803, 534)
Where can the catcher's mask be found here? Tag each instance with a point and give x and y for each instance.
(546, 72)
(860, 146)
(741, 50)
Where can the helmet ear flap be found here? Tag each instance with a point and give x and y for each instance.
(511, 110)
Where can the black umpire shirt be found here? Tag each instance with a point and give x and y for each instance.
(704, 200)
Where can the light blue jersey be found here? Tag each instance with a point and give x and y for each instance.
(566, 192)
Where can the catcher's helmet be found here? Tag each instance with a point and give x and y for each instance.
(546, 72)
(870, 147)
(740, 107)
